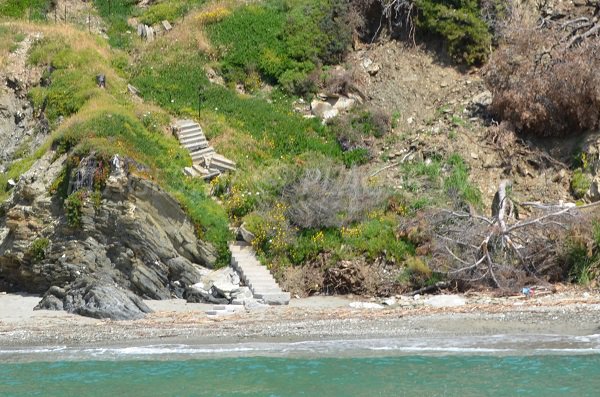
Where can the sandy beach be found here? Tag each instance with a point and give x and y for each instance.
(573, 313)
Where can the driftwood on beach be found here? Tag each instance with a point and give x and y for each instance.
(503, 251)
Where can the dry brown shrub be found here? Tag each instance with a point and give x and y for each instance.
(543, 83)
(331, 197)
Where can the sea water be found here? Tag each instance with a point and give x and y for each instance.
(543, 365)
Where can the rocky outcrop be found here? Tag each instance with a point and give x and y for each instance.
(133, 237)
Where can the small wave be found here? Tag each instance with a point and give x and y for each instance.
(471, 345)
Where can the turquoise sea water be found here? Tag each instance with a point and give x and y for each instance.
(179, 370)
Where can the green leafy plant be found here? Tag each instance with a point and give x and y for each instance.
(580, 183)
(73, 208)
(38, 249)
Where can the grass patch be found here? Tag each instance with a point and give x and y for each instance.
(115, 13)
(34, 10)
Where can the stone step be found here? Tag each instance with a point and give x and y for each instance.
(184, 123)
(194, 135)
(195, 145)
(256, 276)
(211, 174)
(200, 155)
(191, 171)
(221, 163)
(190, 133)
(200, 170)
(282, 298)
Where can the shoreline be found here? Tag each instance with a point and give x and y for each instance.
(317, 319)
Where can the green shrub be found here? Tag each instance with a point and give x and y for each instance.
(356, 157)
(283, 41)
(580, 183)
(38, 249)
(460, 24)
(73, 208)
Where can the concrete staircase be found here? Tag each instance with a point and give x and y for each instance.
(206, 162)
(257, 277)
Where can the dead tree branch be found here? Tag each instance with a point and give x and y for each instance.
(502, 251)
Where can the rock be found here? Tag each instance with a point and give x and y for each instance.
(166, 25)
(389, 301)
(343, 103)
(323, 110)
(482, 100)
(199, 293)
(245, 234)
(593, 194)
(365, 305)
(132, 90)
(101, 81)
(220, 286)
(445, 301)
(141, 31)
(96, 299)
(371, 67)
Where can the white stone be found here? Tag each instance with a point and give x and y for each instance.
(445, 301)
(365, 305)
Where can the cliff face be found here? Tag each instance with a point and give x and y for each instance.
(134, 241)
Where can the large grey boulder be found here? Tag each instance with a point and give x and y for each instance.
(96, 299)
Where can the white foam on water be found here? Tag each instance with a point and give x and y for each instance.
(466, 345)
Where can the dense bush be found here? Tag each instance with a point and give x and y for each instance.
(283, 41)
(544, 86)
(460, 25)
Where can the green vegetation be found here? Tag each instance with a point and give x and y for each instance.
(444, 182)
(115, 14)
(74, 206)
(32, 9)
(282, 41)
(580, 183)
(170, 10)
(278, 152)
(460, 25)
(582, 254)
(38, 249)
(457, 184)
(103, 122)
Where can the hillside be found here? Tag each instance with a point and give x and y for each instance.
(375, 153)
